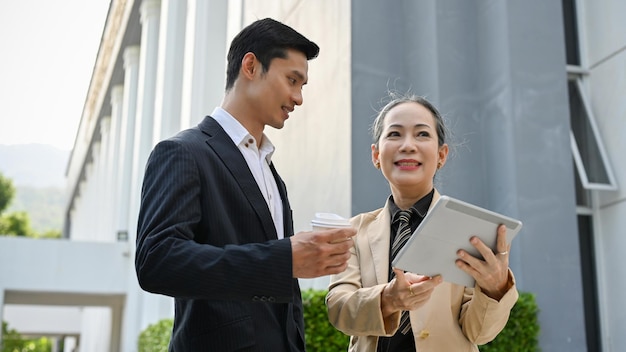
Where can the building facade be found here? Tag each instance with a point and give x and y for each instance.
(531, 90)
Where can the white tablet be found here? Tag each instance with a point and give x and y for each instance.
(446, 228)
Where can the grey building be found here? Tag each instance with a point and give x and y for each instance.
(532, 92)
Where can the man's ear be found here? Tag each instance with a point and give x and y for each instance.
(249, 65)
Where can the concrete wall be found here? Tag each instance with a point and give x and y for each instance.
(497, 71)
(313, 149)
(62, 274)
(605, 46)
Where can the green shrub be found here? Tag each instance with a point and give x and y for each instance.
(521, 332)
(319, 333)
(156, 337)
(12, 341)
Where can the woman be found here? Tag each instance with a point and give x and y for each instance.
(368, 299)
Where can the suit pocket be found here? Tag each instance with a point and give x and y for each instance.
(236, 335)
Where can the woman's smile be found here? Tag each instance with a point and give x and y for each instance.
(408, 164)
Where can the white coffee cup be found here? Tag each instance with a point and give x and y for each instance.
(325, 221)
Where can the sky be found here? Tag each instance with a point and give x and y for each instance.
(47, 52)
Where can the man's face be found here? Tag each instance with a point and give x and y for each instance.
(275, 93)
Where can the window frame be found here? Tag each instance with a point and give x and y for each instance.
(576, 74)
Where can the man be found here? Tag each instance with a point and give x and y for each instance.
(215, 228)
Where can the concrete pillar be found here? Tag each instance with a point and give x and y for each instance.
(116, 327)
(102, 191)
(127, 136)
(88, 231)
(204, 75)
(130, 328)
(117, 95)
(143, 143)
(1, 310)
(169, 69)
(144, 123)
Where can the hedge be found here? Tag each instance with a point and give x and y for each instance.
(156, 337)
(519, 335)
(12, 341)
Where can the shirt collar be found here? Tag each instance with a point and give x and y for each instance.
(239, 135)
(420, 207)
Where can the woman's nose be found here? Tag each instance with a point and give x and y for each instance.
(408, 145)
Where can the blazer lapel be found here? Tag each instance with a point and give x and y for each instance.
(287, 214)
(232, 159)
(380, 240)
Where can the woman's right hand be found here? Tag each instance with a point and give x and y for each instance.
(407, 291)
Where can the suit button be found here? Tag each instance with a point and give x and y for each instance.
(255, 299)
(271, 299)
(424, 334)
(263, 299)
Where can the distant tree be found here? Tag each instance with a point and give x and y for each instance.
(16, 224)
(7, 192)
(50, 234)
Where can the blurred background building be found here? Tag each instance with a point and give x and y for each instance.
(533, 92)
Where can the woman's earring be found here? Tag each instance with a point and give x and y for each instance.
(439, 165)
(377, 164)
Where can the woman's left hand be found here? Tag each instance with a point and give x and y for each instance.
(492, 272)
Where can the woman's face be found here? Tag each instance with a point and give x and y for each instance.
(408, 150)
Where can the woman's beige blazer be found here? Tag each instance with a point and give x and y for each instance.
(456, 318)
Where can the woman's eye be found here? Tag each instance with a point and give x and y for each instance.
(393, 134)
(423, 134)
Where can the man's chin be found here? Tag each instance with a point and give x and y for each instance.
(278, 124)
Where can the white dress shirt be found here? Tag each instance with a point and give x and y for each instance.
(258, 160)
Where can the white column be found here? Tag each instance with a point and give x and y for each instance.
(144, 123)
(127, 136)
(102, 193)
(114, 162)
(89, 229)
(79, 216)
(1, 309)
(144, 128)
(169, 69)
(130, 328)
(204, 75)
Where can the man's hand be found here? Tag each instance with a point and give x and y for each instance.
(321, 253)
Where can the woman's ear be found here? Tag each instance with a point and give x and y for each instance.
(443, 156)
(375, 155)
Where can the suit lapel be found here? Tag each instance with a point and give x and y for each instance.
(379, 244)
(287, 215)
(232, 159)
(380, 240)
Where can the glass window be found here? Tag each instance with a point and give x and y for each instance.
(587, 149)
(571, 32)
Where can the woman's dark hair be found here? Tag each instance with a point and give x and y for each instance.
(266, 39)
(396, 99)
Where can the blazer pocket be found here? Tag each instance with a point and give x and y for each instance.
(236, 335)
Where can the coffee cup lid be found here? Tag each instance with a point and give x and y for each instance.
(330, 219)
